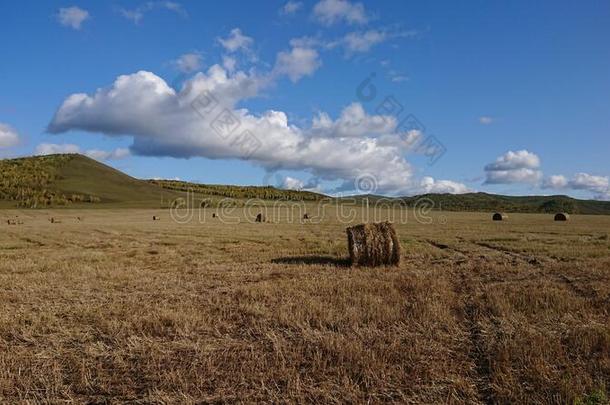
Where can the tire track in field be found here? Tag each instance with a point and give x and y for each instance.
(541, 264)
(532, 260)
(465, 287)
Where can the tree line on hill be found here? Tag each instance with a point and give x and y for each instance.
(239, 192)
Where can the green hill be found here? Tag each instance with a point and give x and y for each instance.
(73, 180)
(77, 181)
(502, 203)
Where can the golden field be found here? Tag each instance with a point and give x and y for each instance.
(119, 308)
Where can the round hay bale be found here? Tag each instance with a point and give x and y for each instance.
(373, 244)
(499, 216)
(306, 216)
(562, 216)
(260, 218)
(213, 215)
(156, 218)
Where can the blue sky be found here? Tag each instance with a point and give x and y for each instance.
(513, 97)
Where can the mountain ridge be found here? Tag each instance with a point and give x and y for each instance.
(78, 181)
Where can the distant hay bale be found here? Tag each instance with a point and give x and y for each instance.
(562, 216)
(11, 222)
(55, 220)
(260, 218)
(306, 216)
(213, 215)
(499, 216)
(156, 218)
(373, 244)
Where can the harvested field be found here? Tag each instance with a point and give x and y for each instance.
(121, 308)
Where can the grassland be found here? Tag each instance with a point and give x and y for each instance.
(118, 308)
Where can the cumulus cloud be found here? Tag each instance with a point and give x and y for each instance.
(137, 14)
(291, 7)
(72, 17)
(555, 182)
(329, 12)
(297, 63)
(290, 183)
(236, 41)
(353, 122)
(189, 62)
(430, 185)
(53, 148)
(599, 185)
(8, 136)
(585, 181)
(166, 122)
(485, 120)
(514, 167)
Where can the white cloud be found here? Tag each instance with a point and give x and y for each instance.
(514, 167)
(556, 182)
(8, 136)
(297, 63)
(599, 185)
(515, 160)
(137, 14)
(354, 122)
(236, 41)
(290, 183)
(291, 7)
(364, 41)
(485, 120)
(189, 62)
(72, 17)
(163, 123)
(53, 149)
(398, 78)
(585, 181)
(430, 185)
(329, 12)
(305, 42)
(116, 154)
(229, 63)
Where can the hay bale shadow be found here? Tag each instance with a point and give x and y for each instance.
(313, 260)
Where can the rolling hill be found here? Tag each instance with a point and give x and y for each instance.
(77, 181)
(493, 202)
